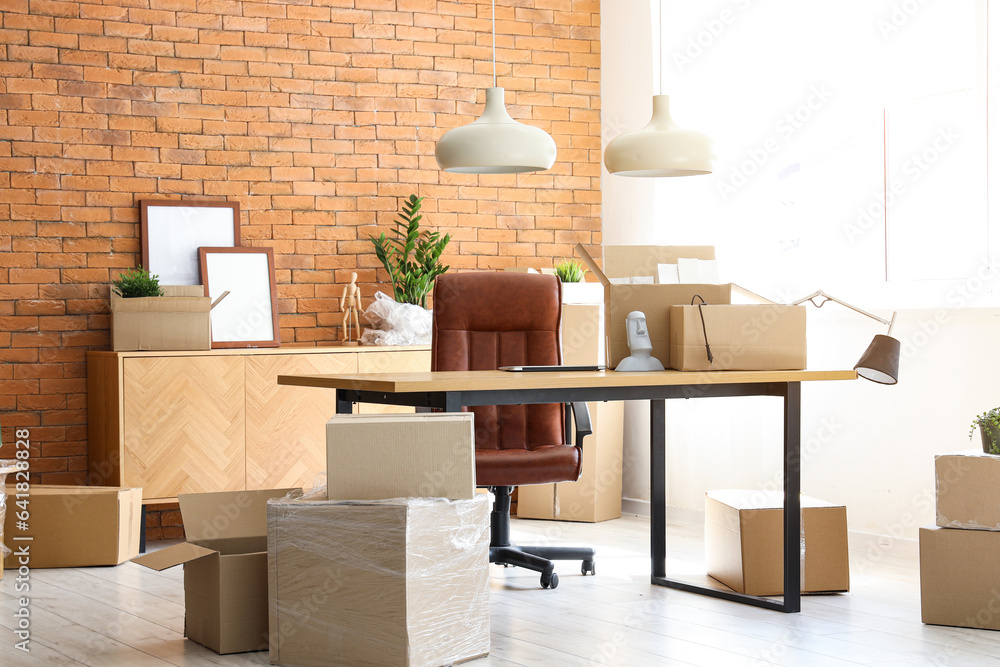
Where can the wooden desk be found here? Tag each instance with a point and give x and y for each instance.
(451, 391)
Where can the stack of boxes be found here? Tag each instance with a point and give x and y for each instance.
(960, 555)
(387, 564)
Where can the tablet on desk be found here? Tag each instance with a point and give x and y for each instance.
(533, 369)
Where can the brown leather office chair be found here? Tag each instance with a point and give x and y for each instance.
(486, 320)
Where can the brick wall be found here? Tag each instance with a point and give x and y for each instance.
(318, 116)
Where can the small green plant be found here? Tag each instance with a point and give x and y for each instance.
(570, 271)
(988, 423)
(135, 283)
(412, 257)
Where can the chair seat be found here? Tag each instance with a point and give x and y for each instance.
(514, 467)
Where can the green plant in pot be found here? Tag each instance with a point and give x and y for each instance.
(989, 430)
(570, 271)
(136, 283)
(412, 257)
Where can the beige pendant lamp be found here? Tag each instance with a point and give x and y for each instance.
(661, 148)
(495, 143)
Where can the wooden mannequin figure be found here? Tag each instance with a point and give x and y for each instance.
(350, 299)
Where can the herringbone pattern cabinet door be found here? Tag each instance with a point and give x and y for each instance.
(184, 420)
(286, 426)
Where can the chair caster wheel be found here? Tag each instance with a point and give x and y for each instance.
(588, 567)
(550, 580)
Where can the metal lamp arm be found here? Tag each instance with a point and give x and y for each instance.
(826, 297)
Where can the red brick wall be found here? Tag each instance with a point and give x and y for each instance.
(318, 116)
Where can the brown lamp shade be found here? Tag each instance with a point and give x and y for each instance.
(880, 362)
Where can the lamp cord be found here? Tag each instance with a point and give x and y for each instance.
(704, 331)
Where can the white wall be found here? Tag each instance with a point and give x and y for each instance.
(869, 446)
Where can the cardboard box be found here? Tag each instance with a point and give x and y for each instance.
(741, 337)
(597, 495)
(394, 582)
(371, 457)
(743, 542)
(960, 577)
(968, 490)
(652, 300)
(179, 320)
(225, 568)
(75, 526)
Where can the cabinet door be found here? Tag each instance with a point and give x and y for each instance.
(184, 425)
(391, 361)
(286, 426)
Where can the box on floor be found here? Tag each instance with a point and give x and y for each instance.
(744, 542)
(74, 526)
(968, 490)
(960, 577)
(225, 568)
(392, 582)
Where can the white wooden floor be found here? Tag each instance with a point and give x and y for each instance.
(131, 616)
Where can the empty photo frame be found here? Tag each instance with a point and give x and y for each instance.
(248, 316)
(173, 230)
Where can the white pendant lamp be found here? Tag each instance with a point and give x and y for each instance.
(659, 149)
(495, 143)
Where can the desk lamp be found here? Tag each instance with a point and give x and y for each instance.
(880, 362)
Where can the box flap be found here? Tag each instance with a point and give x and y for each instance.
(227, 514)
(183, 290)
(746, 499)
(171, 556)
(161, 304)
(582, 253)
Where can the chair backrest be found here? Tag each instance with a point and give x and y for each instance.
(486, 320)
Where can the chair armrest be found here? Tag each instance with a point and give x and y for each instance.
(581, 419)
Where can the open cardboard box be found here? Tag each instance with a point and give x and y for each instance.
(651, 299)
(178, 320)
(225, 568)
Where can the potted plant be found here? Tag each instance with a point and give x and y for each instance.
(989, 430)
(574, 290)
(570, 271)
(136, 283)
(412, 257)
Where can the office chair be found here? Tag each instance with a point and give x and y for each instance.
(486, 320)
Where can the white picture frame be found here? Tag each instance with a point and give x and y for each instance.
(248, 315)
(173, 230)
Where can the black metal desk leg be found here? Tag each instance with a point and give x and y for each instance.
(792, 483)
(344, 404)
(658, 486)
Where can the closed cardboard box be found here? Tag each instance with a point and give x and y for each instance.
(179, 320)
(744, 542)
(372, 457)
(597, 495)
(74, 526)
(653, 300)
(741, 337)
(225, 568)
(968, 490)
(960, 577)
(401, 582)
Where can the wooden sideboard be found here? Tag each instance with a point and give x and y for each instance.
(185, 422)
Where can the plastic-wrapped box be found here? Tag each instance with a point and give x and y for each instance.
(381, 582)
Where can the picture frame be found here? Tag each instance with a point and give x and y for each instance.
(174, 229)
(248, 316)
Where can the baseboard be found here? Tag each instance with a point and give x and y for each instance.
(635, 506)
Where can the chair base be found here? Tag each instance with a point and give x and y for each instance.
(539, 559)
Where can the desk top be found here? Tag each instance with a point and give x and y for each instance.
(512, 380)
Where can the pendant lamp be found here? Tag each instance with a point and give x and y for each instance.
(495, 143)
(661, 148)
